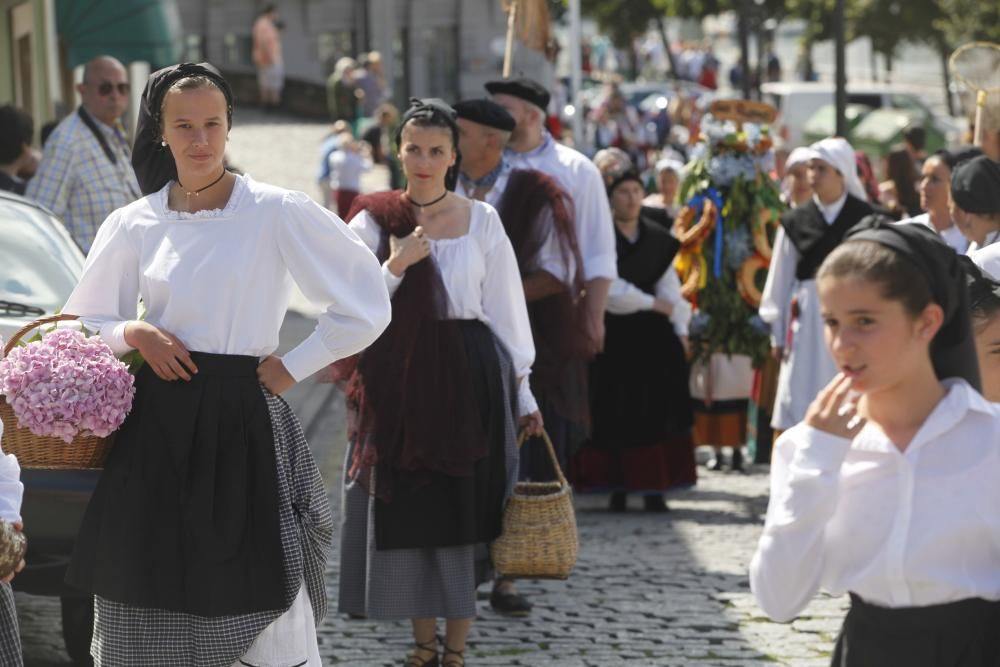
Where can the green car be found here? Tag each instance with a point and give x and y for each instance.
(882, 129)
(823, 123)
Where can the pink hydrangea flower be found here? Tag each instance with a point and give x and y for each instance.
(66, 385)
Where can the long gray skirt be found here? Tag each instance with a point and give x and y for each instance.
(127, 635)
(10, 637)
(395, 584)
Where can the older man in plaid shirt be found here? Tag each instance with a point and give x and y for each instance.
(86, 168)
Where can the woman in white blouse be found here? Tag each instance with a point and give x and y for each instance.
(888, 489)
(206, 537)
(437, 398)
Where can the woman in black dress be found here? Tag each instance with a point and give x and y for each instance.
(640, 401)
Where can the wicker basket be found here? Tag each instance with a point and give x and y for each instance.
(538, 539)
(34, 451)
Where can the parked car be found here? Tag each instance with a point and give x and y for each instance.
(882, 129)
(39, 266)
(797, 101)
(823, 123)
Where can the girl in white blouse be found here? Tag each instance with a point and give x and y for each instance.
(437, 398)
(888, 489)
(205, 540)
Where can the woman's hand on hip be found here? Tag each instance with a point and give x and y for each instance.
(161, 350)
(19, 527)
(407, 251)
(532, 424)
(835, 409)
(274, 376)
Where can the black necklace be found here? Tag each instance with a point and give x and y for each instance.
(430, 203)
(200, 190)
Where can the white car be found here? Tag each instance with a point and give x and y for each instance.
(39, 267)
(39, 263)
(797, 101)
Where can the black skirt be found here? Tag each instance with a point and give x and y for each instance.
(957, 634)
(185, 515)
(437, 510)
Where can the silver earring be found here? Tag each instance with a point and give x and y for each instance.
(163, 143)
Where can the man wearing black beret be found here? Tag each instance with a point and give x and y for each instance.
(536, 214)
(532, 147)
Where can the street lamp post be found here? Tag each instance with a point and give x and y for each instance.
(840, 97)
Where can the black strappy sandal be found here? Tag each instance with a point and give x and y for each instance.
(449, 662)
(414, 660)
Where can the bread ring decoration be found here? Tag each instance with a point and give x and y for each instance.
(687, 234)
(693, 271)
(760, 241)
(746, 281)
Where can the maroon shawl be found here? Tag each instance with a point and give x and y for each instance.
(557, 321)
(415, 413)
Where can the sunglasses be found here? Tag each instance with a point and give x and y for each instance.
(106, 87)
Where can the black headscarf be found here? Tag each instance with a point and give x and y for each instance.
(953, 350)
(975, 186)
(437, 112)
(153, 164)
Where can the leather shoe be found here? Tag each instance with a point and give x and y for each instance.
(510, 604)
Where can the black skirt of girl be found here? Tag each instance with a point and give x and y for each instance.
(185, 515)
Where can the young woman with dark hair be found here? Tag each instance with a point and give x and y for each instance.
(886, 490)
(436, 400)
(205, 541)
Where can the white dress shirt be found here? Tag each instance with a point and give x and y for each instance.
(481, 277)
(221, 280)
(11, 488)
(951, 235)
(624, 298)
(579, 177)
(900, 529)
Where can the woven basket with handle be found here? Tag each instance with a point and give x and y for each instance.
(538, 539)
(35, 451)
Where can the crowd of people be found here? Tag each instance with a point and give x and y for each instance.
(506, 284)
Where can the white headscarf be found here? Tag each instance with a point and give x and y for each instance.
(800, 155)
(839, 154)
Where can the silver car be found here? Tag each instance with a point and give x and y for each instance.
(39, 267)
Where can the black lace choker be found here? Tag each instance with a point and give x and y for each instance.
(200, 190)
(430, 203)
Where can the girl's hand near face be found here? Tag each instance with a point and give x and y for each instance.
(834, 410)
(407, 251)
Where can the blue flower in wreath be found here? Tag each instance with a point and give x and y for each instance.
(759, 325)
(699, 323)
(737, 248)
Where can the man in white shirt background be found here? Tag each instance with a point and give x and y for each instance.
(532, 147)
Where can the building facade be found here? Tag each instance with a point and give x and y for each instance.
(430, 48)
(29, 67)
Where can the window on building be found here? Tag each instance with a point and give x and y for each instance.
(194, 51)
(238, 49)
(441, 49)
(401, 67)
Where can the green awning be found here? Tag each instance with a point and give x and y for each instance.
(129, 30)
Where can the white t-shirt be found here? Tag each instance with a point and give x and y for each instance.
(346, 168)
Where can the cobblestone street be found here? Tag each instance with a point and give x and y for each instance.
(649, 590)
